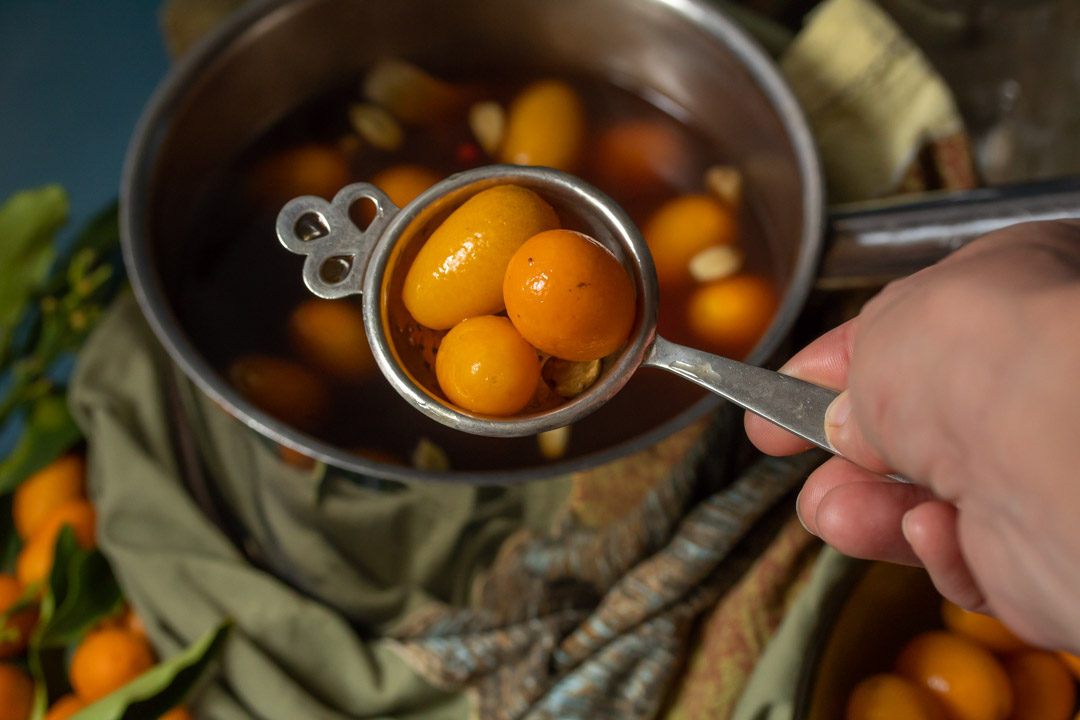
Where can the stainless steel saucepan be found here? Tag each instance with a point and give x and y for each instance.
(272, 56)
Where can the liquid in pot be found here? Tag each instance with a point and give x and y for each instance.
(242, 300)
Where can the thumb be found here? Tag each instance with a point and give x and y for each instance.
(845, 435)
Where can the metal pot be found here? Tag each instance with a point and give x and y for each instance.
(271, 56)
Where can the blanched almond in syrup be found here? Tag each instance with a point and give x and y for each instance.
(570, 379)
(554, 443)
(719, 261)
(726, 183)
(487, 120)
(429, 456)
(376, 126)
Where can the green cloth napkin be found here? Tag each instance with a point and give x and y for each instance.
(369, 556)
(345, 598)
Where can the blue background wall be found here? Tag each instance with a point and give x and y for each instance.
(74, 77)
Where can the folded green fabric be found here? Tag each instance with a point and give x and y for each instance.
(420, 600)
(370, 557)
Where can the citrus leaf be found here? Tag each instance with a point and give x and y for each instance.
(28, 222)
(161, 688)
(37, 656)
(64, 553)
(90, 594)
(9, 539)
(48, 433)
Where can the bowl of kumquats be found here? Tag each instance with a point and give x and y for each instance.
(890, 646)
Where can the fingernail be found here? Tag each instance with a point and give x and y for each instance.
(798, 514)
(802, 522)
(904, 526)
(836, 415)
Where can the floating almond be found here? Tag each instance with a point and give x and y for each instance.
(714, 263)
(487, 120)
(726, 183)
(554, 443)
(429, 456)
(570, 379)
(376, 126)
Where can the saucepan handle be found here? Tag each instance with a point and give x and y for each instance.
(873, 243)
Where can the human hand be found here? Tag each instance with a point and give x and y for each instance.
(965, 378)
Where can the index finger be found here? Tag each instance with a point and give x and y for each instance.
(825, 362)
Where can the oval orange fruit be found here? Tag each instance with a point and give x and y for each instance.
(1042, 686)
(61, 480)
(458, 272)
(965, 677)
(888, 696)
(106, 659)
(545, 125)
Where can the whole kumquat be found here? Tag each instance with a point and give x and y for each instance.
(16, 694)
(984, 629)
(405, 181)
(1043, 688)
(77, 514)
(1071, 661)
(485, 366)
(33, 563)
(283, 388)
(638, 157)
(401, 183)
(683, 227)
(965, 677)
(19, 625)
(61, 480)
(106, 659)
(35, 559)
(309, 169)
(65, 707)
(330, 336)
(458, 272)
(730, 315)
(888, 696)
(545, 125)
(569, 296)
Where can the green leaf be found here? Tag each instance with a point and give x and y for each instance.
(28, 222)
(37, 654)
(64, 553)
(161, 688)
(10, 544)
(49, 432)
(90, 594)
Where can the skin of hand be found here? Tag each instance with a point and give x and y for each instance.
(964, 378)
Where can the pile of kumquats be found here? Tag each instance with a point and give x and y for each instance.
(514, 291)
(971, 668)
(107, 655)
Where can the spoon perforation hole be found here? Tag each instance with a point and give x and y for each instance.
(311, 226)
(334, 270)
(362, 212)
